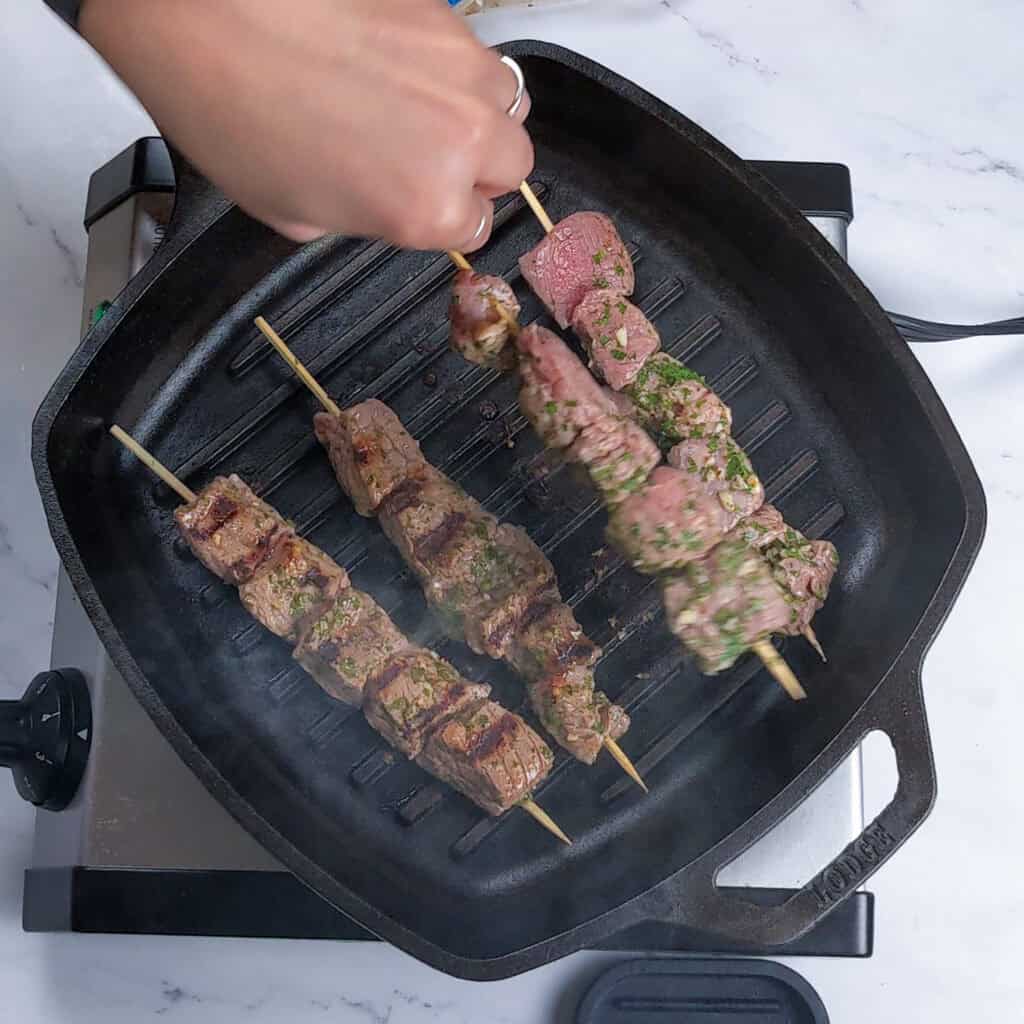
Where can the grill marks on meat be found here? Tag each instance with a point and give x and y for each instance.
(417, 692)
(229, 529)
(350, 642)
(422, 516)
(369, 459)
(675, 404)
(488, 753)
(616, 335)
(486, 580)
(493, 586)
(557, 393)
(483, 308)
(549, 641)
(724, 603)
(350, 646)
(292, 586)
(583, 252)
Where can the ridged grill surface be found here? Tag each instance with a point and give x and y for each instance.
(468, 419)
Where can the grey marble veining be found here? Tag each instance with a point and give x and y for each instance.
(923, 101)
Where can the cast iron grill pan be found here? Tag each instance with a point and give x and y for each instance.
(848, 435)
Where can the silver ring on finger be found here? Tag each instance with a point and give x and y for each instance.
(517, 100)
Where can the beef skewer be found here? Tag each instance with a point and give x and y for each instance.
(623, 345)
(661, 518)
(594, 271)
(416, 700)
(488, 579)
(621, 458)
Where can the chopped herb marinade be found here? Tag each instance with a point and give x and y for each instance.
(723, 604)
(667, 407)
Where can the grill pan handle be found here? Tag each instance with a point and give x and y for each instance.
(691, 896)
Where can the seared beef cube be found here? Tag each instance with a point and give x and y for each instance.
(803, 568)
(483, 314)
(424, 515)
(672, 521)
(489, 754)
(549, 640)
(293, 586)
(724, 603)
(674, 403)
(558, 395)
(348, 644)
(229, 529)
(724, 468)
(415, 693)
(370, 450)
(577, 717)
(484, 580)
(508, 576)
(616, 334)
(618, 454)
(584, 252)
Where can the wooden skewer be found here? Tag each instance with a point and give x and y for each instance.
(509, 320)
(624, 762)
(812, 638)
(545, 819)
(189, 495)
(538, 211)
(292, 360)
(776, 664)
(459, 260)
(310, 381)
(186, 493)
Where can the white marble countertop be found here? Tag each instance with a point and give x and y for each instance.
(923, 101)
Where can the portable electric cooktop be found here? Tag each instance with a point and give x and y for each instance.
(144, 848)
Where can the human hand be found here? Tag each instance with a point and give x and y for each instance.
(318, 116)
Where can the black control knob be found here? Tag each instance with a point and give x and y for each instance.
(45, 737)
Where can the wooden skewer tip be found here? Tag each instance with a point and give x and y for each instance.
(545, 819)
(812, 638)
(781, 672)
(292, 360)
(625, 763)
(534, 203)
(153, 463)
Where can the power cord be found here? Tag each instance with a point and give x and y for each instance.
(925, 330)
